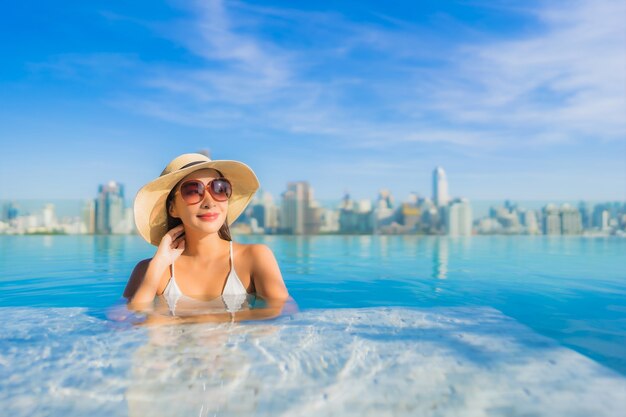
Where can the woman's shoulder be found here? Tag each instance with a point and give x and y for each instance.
(253, 251)
(136, 277)
(264, 270)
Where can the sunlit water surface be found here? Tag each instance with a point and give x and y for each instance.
(387, 326)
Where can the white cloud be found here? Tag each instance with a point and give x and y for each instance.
(560, 83)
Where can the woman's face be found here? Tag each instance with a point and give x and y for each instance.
(208, 215)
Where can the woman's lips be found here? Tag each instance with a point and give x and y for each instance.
(208, 217)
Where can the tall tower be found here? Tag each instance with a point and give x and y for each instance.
(109, 207)
(459, 218)
(298, 211)
(440, 187)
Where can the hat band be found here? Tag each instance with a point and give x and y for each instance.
(191, 164)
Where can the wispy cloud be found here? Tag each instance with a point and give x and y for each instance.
(369, 84)
(568, 81)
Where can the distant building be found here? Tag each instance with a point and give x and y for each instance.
(604, 220)
(126, 225)
(565, 220)
(571, 222)
(110, 210)
(10, 212)
(329, 221)
(355, 217)
(440, 187)
(529, 220)
(410, 216)
(459, 217)
(205, 152)
(299, 214)
(551, 220)
(49, 220)
(264, 211)
(385, 199)
(586, 214)
(89, 216)
(384, 213)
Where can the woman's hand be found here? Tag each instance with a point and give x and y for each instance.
(144, 281)
(172, 246)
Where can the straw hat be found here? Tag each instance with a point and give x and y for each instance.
(150, 210)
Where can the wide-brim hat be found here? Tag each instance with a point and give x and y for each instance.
(149, 207)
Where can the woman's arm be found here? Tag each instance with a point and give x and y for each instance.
(265, 273)
(272, 310)
(136, 277)
(144, 281)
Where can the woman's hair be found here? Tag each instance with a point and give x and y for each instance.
(172, 222)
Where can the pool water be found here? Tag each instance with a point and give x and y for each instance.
(388, 325)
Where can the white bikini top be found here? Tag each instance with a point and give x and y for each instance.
(234, 296)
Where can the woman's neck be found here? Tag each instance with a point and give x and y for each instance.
(205, 247)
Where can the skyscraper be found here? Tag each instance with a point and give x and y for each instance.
(10, 211)
(440, 187)
(571, 220)
(299, 214)
(49, 219)
(109, 207)
(89, 216)
(264, 211)
(551, 220)
(459, 218)
(530, 222)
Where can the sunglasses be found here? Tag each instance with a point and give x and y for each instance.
(192, 191)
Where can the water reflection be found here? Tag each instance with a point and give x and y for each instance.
(440, 258)
(109, 249)
(365, 246)
(47, 241)
(383, 246)
(298, 250)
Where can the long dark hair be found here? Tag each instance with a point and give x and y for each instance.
(172, 222)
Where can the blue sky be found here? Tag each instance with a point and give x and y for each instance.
(522, 100)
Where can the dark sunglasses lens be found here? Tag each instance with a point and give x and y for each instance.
(220, 190)
(192, 191)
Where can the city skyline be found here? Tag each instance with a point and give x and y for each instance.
(523, 102)
(298, 212)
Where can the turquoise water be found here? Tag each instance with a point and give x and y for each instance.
(434, 326)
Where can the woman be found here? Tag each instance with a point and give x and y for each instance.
(197, 268)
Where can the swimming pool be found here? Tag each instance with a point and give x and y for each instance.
(388, 325)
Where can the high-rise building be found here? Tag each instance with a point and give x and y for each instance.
(604, 220)
(10, 211)
(355, 217)
(329, 221)
(385, 199)
(530, 222)
(264, 211)
(459, 217)
(571, 221)
(110, 211)
(586, 214)
(89, 216)
(126, 223)
(410, 213)
(551, 220)
(440, 187)
(299, 214)
(49, 219)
